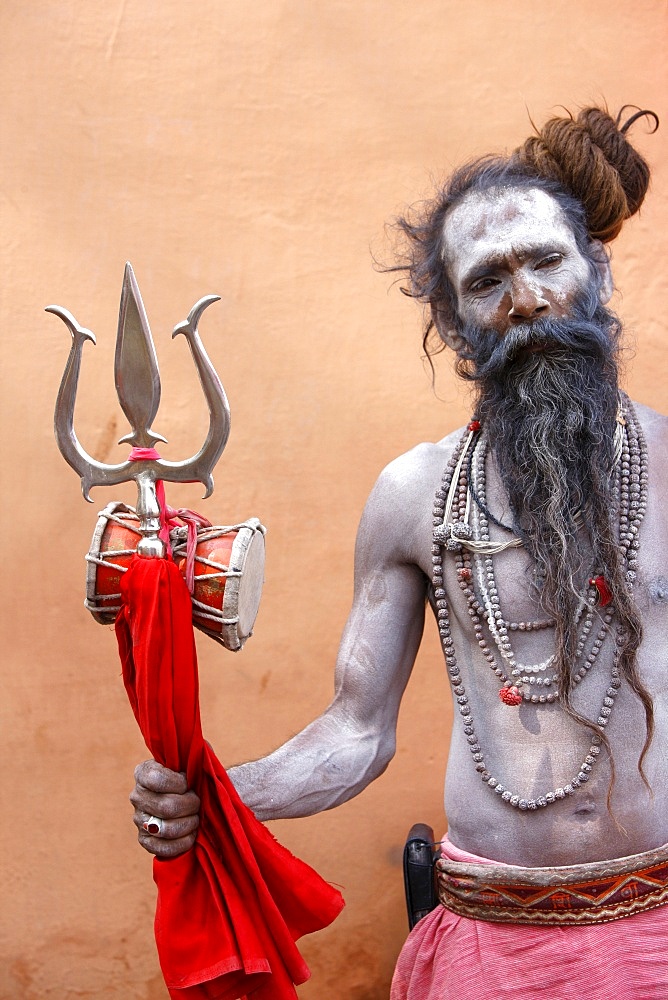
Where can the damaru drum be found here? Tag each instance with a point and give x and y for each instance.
(229, 572)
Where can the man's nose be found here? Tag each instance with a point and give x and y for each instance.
(526, 302)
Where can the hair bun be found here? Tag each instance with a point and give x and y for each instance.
(591, 157)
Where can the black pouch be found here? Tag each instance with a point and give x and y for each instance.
(420, 873)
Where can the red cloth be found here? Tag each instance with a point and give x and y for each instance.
(229, 910)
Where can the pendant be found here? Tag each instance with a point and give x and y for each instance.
(510, 695)
(604, 592)
(450, 534)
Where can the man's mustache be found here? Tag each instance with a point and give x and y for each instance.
(526, 344)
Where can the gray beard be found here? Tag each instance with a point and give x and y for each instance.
(550, 417)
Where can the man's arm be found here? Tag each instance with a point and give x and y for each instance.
(352, 742)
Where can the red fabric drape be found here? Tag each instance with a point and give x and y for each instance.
(229, 910)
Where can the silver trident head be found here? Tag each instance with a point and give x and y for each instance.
(138, 387)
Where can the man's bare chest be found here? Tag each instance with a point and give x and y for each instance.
(515, 585)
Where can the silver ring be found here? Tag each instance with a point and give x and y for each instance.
(153, 825)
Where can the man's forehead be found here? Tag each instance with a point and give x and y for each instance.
(500, 221)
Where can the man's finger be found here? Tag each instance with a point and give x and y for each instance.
(165, 806)
(157, 778)
(165, 848)
(170, 829)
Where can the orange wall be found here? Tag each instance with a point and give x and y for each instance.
(254, 150)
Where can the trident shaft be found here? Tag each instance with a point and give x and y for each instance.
(138, 386)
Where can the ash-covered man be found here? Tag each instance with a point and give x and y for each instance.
(538, 535)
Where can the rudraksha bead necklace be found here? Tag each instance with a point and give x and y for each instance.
(467, 537)
(523, 678)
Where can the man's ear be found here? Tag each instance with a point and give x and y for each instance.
(444, 322)
(602, 264)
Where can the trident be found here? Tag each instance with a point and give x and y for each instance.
(138, 386)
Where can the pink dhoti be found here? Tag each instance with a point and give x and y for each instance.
(449, 956)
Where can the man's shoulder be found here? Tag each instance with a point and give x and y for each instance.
(398, 514)
(653, 423)
(407, 485)
(655, 429)
(421, 467)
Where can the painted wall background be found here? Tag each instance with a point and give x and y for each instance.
(255, 151)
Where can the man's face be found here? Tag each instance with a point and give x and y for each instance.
(512, 258)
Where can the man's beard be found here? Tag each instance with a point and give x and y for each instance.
(548, 401)
(547, 398)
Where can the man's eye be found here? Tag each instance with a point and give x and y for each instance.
(483, 284)
(550, 261)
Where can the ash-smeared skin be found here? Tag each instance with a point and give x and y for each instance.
(512, 257)
(354, 740)
(535, 749)
(532, 749)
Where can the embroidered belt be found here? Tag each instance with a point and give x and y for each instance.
(555, 897)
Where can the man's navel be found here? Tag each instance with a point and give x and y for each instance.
(658, 590)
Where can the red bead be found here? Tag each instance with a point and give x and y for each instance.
(474, 425)
(604, 592)
(464, 573)
(510, 695)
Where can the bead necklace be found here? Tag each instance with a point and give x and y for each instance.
(522, 680)
(472, 543)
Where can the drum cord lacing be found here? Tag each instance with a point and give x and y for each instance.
(196, 529)
(222, 571)
(127, 518)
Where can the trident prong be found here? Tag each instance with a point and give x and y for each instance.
(219, 411)
(138, 387)
(136, 366)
